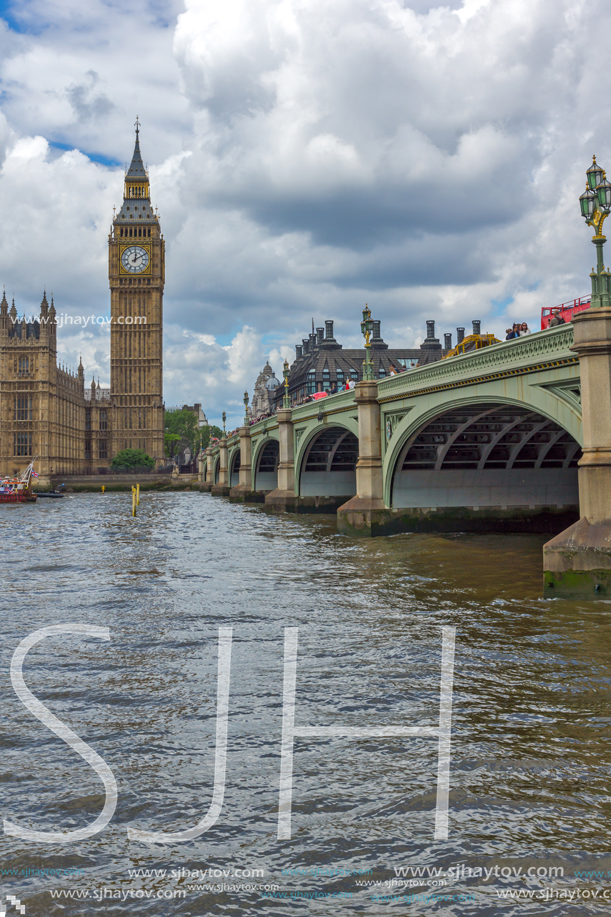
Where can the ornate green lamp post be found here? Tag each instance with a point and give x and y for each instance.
(286, 403)
(224, 419)
(595, 205)
(246, 417)
(366, 329)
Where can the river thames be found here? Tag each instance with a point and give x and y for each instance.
(529, 800)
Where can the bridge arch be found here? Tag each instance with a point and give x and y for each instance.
(216, 467)
(326, 466)
(233, 461)
(484, 452)
(265, 464)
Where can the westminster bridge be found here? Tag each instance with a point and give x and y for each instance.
(513, 437)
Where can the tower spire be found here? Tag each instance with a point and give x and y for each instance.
(136, 171)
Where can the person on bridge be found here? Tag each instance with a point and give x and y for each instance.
(524, 329)
(512, 333)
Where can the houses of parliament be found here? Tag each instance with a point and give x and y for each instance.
(49, 412)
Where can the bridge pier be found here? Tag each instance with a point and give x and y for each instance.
(243, 492)
(207, 482)
(365, 514)
(222, 488)
(283, 498)
(577, 563)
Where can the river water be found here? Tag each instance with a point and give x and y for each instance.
(531, 749)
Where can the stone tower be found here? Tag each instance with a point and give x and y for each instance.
(136, 272)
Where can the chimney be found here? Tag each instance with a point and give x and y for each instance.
(319, 335)
(447, 341)
(477, 327)
(329, 342)
(431, 348)
(306, 345)
(312, 342)
(460, 335)
(376, 330)
(298, 351)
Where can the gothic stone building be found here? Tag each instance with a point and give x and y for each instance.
(47, 411)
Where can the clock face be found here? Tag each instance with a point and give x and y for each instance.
(135, 259)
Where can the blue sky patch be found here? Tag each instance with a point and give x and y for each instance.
(94, 157)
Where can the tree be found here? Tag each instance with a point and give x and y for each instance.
(132, 458)
(185, 425)
(171, 441)
(208, 433)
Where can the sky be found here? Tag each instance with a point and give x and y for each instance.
(306, 157)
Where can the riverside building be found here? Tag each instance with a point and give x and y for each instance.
(320, 362)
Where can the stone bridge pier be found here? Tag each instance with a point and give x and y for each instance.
(366, 513)
(221, 487)
(577, 562)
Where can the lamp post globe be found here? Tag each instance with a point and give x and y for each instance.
(594, 174)
(595, 206)
(366, 330)
(587, 202)
(285, 373)
(603, 194)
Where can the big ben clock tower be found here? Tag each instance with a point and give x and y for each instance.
(136, 272)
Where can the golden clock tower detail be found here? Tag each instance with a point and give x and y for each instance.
(136, 272)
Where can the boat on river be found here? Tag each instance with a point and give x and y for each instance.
(19, 490)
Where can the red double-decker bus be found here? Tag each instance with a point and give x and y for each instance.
(565, 310)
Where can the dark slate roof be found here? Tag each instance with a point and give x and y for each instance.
(352, 360)
(25, 330)
(136, 171)
(136, 210)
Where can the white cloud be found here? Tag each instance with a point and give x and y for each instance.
(306, 156)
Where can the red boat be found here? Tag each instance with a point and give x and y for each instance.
(564, 311)
(19, 490)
